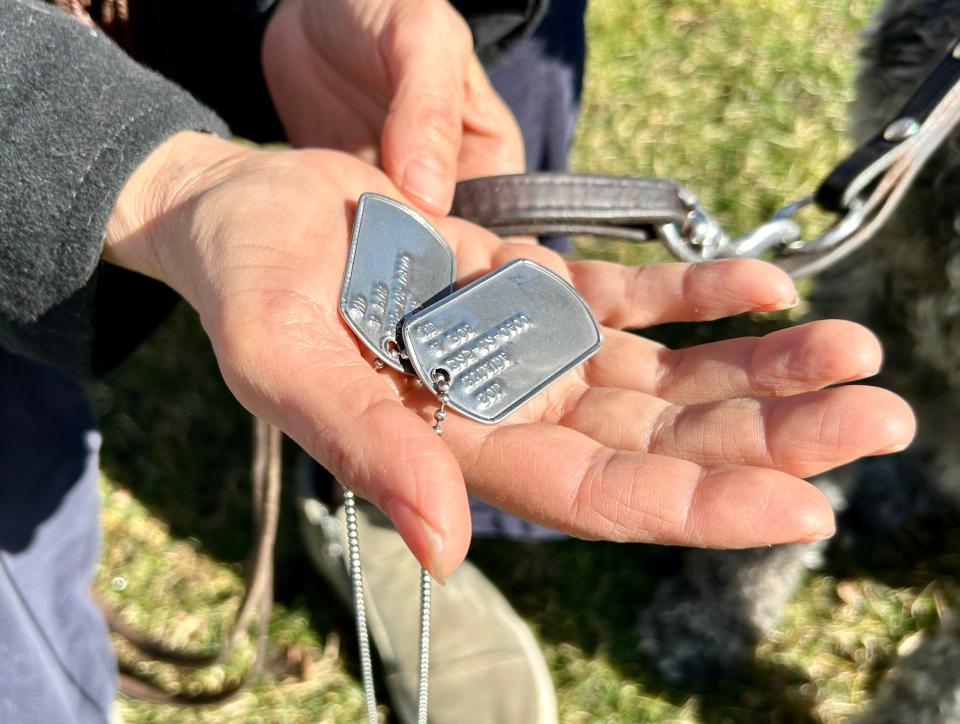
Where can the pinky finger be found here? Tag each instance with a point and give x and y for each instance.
(564, 480)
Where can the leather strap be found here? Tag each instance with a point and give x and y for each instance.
(626, 207)
(919, 106)
(620, 207)
(257, 598)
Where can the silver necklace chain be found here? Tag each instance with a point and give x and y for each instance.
(359, 605)
(424, 680)
(441, 388)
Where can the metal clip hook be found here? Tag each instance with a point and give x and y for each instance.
(834, 235)
(774, 234)
(704, 238)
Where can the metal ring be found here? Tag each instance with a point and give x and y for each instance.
(680, 246)
(842, 230)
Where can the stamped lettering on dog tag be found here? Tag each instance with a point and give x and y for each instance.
(501, 339)
(397, 263)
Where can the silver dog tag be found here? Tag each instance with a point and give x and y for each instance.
(397, 263)
(502, 339)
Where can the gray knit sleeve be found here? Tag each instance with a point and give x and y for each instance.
(77, 116)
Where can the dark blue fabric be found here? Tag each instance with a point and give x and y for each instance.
(56, 663)
(541, 81)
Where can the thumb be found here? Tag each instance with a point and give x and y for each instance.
(390, 456)
(427, 59)
(356, 427)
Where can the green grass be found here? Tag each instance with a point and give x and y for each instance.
(742, 100)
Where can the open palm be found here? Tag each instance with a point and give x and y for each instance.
(704, 446)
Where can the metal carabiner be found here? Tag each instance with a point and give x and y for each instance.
(704, 239)
(831, 237)
(774, 234)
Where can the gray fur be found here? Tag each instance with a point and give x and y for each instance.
(924, 688)
(905, 285)
(705, 621)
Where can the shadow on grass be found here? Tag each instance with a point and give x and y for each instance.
(175, 436)
(590, 594)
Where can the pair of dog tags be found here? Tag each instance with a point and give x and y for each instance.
(495, 342)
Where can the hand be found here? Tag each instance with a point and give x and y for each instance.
(394, 82)
(703, 446)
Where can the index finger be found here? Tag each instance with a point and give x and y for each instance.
(629, 297)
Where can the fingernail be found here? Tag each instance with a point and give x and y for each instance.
(424, 178)
(818, 528)
(425, 543)
(859, 377)
(874, 372)
(814, 537)
(898, 447)
(778, 306)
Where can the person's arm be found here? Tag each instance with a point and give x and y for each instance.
(77, 116)
(392, 81)
(212, 49)
(702, 446)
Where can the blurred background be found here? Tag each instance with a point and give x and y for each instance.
(745, 102)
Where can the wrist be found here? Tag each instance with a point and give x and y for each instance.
(148, 229)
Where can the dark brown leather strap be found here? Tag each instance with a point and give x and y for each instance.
(256, 604)
(622, 207)
(626, 207)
